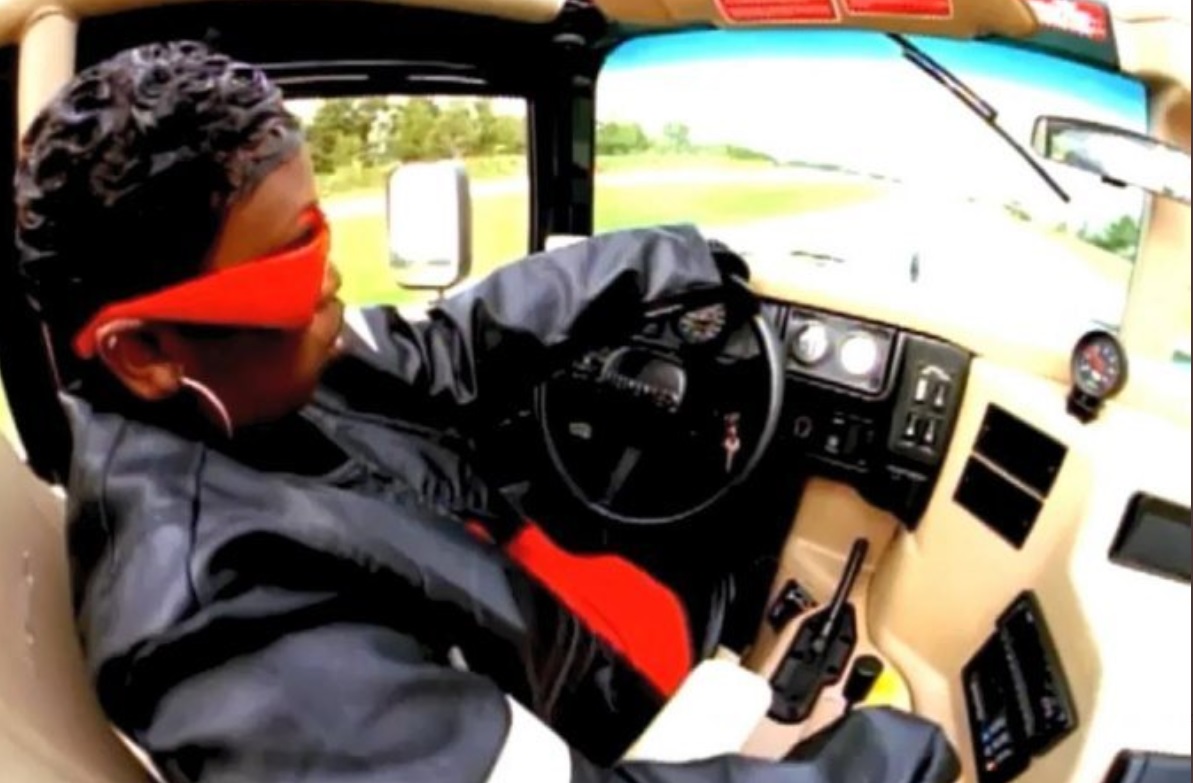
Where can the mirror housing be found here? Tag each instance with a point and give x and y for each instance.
(1119, 156)
(428, 220)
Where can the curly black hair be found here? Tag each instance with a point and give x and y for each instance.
(123, 180)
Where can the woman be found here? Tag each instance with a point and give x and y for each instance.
(274, 572)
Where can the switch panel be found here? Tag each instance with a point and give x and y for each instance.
(929, 395)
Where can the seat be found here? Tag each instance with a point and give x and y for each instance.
(52, 729)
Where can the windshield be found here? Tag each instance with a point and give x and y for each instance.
(833, 150)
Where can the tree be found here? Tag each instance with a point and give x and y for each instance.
(455, 133)
(1120, 237)
(621, 138)
(677, 137)
(413, 136)
(376, 131)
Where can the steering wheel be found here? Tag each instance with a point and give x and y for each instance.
(661, 427)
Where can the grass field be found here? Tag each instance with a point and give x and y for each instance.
(357, 181)
(501, 223)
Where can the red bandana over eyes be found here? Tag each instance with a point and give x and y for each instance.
(279, 291)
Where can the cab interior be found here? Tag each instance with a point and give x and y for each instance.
(1022, 526)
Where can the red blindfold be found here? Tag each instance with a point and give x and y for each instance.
(280, 291)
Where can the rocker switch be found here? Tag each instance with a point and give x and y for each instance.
(921, 390)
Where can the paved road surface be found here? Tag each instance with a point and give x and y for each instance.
(1002, 267)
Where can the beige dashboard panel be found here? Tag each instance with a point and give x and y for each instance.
(1123, 637)
(1155, 386)
(968, 18)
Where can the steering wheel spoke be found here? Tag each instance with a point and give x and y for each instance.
(676, 432)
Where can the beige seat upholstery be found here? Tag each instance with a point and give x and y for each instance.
(51, 727)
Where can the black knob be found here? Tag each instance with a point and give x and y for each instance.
(865, 672)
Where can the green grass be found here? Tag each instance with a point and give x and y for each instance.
(360, 180)
(500, 224)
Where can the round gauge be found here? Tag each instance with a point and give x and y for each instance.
(859, 354)
(1099, 365)
(703, 325)
(811, 343)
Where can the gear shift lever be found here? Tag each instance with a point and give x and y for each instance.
(821, 649)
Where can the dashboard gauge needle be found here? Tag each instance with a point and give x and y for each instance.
(625, 466)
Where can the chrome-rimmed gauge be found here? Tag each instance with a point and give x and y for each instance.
(859, 354)
(1099, 370)
(811, 344)
(703, 325)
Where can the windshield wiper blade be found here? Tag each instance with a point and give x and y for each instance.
(975, 103)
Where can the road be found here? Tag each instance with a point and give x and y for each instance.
(1001, 268)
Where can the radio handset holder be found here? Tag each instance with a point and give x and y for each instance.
(821, 649)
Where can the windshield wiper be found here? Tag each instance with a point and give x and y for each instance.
(978, 105)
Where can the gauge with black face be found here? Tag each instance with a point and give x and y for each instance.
(703, 325)
(1099, 365)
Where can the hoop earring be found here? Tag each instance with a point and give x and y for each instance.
(212, 399)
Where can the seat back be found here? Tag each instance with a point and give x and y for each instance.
(52, 729)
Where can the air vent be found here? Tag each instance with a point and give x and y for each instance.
(1020, 449)
(1009, 476)
(1005, 508)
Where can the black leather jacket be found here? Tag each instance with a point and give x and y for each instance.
(302, 603)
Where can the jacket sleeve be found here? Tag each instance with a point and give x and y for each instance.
(357, 703)
(496, 338)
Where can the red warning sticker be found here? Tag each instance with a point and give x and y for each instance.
(935, 9)
(793, 11)
(1076, 17)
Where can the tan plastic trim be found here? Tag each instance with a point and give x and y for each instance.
(15, 13)
(1157, 312)
(47, 59)
(1153, 385)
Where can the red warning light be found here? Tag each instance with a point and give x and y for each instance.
(935, 9)
(1076, 17)
(790, 11)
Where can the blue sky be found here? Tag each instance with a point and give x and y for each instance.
(1115, 93)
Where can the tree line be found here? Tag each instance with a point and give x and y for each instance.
(374, 131)
(377, 131)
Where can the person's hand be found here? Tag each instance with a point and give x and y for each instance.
(735, 273)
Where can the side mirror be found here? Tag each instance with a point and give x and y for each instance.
(428, 216)
(1119, 156)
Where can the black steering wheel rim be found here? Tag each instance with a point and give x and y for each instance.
(772, 353)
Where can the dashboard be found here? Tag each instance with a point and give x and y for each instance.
(870, 404)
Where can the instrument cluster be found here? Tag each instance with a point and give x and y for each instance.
(839, 351)
(869, 404)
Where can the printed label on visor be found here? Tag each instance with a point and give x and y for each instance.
(1077, 17)
(935, 9)
(792, 11)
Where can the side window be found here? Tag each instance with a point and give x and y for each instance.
(356, 142)
(8, 427)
